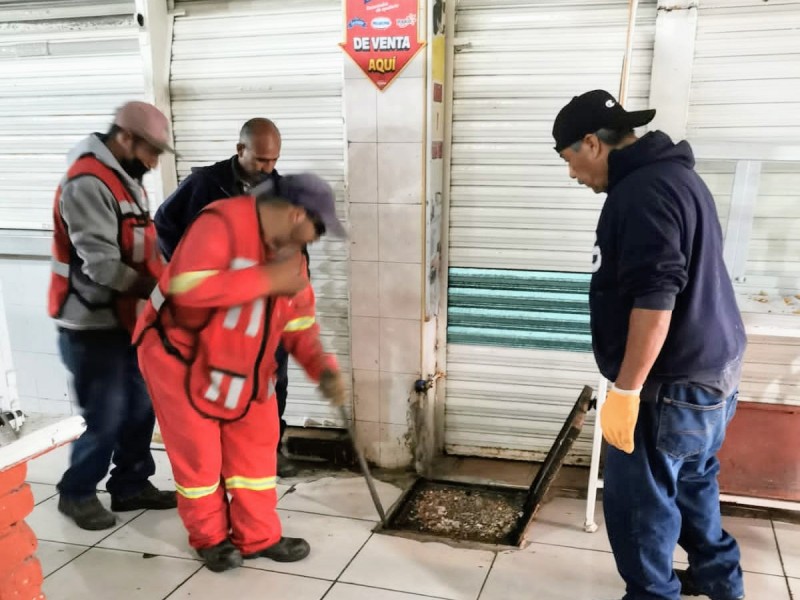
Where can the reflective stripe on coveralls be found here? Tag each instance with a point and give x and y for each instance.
(196, 492)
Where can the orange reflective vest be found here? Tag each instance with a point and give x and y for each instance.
(215, 314)
(137, 244)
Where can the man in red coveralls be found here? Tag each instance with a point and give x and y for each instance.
(236, 287)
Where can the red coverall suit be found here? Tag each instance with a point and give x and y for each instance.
(207, 341)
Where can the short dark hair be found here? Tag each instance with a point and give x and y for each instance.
(612, 137)
(113, 130)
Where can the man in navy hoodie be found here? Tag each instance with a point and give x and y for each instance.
(257, 152)
(667, 331)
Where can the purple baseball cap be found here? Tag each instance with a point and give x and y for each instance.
(310, 192)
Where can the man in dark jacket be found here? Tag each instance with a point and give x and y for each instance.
(257, 152)
(667, 331)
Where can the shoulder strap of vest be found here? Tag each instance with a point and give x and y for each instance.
(88, 164)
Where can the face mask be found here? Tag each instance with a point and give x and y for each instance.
(134, 167)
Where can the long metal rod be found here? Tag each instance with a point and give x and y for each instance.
(364, 466)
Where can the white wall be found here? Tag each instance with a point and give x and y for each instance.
(41, 377)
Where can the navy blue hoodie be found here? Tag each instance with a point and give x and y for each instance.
(659, 247)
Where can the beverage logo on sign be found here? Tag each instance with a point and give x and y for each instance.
(357, 22)
(408, 21)
(381, 23)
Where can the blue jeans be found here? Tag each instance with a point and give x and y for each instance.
(666, 493)
(119, 415)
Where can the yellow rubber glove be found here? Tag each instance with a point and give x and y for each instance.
(618, 417)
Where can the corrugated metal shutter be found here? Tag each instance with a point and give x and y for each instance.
(61, 78)
(746, 87)
(235, 60)
(513, 206)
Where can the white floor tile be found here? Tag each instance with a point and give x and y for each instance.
(765, 587)
(422, 568)
(42, 492)
(789, 544)
(118, 575)
(334, 542)
(48, 468)
(49, 524)
(339, 497)
(250, 584)
(560, 522)
(159, 532)
(757, 544)
(347, 591)
(794, 587)
(554, 573)
(54, 555)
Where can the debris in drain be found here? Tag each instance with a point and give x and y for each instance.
(477, 515)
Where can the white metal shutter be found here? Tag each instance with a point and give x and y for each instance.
(235, 60)
(746, 88)
(62, 78)
(512, 204)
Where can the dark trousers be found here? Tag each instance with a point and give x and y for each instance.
(666, 493)
(281, 386)
(119, 415)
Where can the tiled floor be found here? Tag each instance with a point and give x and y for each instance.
(147, 556)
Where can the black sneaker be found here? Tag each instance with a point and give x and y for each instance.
(222, 557)
(149, 498)
(286, 550)
(689, 587)
(88, 514)
(286, 468)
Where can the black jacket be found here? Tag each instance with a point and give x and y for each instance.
(202, 187)
(659, 247)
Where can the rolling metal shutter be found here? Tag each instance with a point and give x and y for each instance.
(746, 89)
(65, 67)
(512, 377)
(235, 60)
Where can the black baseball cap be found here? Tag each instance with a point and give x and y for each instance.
(591, 112)
(309, 191)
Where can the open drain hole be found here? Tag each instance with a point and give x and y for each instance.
(463, 512)
(484, 514)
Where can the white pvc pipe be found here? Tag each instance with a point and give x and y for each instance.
(626, 61)
(595, 482)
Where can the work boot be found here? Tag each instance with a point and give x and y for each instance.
(88, 514)
(286, 550)
(286, 468)
(149, 498)
(222, 557)
(689, 587)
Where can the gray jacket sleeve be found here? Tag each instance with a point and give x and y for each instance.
(92, 217)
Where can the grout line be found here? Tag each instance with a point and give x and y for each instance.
(182, 583)
(328, 591)
(488, 572)
(780, 557)
(266, 570)
(350, 562)
(308, 512)
(69, 561)
(373, 587)
(142, 552)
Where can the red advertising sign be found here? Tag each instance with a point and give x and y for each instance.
(381, 36)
